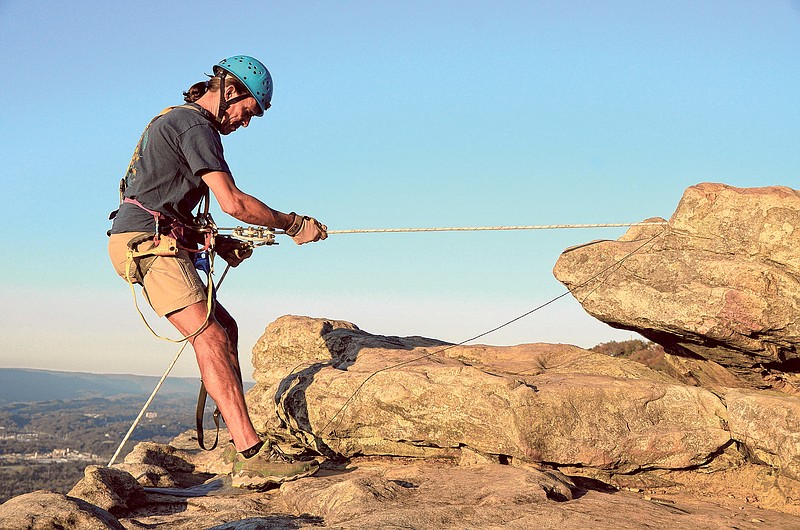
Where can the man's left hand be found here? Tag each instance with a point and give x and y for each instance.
(232, 250)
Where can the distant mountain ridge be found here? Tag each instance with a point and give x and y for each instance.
(26, 385)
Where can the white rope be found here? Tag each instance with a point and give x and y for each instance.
(147, 404)
(160, 381)
(255, 234)
(487, 228)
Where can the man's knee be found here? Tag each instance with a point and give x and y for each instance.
(228, 323)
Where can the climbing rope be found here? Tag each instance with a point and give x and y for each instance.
(264, 236)
(488, 228)
(260, 235)
(332, 433)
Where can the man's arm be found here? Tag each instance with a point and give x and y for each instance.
(248, 209)
(242, 206)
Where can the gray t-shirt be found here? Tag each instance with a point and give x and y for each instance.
(164, 172)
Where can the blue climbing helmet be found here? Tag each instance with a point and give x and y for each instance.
(252, 74)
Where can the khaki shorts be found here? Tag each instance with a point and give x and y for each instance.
(169, 283)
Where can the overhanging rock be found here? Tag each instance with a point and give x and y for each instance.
(720, 281)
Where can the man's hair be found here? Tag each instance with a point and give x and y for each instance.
(197, 90)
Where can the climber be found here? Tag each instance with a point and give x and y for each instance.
(178, 159)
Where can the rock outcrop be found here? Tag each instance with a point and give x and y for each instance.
(48, 510)
(422, 434)
(113, 490)
(360, 394)
(767, 424)
(719, 282)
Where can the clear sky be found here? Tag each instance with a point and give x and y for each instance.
(385, 114)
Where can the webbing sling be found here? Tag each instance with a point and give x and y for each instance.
(201, 408)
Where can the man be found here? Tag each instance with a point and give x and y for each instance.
(179, 158)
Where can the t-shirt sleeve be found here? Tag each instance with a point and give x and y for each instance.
(202, 149)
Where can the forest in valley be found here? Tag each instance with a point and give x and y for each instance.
(47, 445)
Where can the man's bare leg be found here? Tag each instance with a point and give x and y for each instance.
(232, 330)
(218, 365)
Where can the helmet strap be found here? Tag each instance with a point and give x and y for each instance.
(237, 99)
(224, 104)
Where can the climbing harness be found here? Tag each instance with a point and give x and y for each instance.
(169, 246)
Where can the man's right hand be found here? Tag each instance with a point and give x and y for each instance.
(306, 229)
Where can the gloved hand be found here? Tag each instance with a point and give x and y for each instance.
(232, 250)
(305, 229)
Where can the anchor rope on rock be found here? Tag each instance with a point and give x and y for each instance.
(494, 228)
(614, 265)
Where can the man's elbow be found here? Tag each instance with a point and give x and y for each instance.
(234, 208)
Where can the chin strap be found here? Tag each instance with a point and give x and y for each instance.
(224, 104)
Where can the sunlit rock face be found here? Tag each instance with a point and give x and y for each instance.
(347, 393)
(719, 281)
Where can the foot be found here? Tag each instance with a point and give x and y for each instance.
(266, 468)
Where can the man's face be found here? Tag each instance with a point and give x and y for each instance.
(238, 114)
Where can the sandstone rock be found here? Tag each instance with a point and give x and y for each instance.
(693, 372)
(149, 475)
(426, 435)
(768, 425)
(161, 455)
(720, 282)
(381, 492)
(111, 489)
(359, 394)
(48, 510)
(625, 425)
(494, 489)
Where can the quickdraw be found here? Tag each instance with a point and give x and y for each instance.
(256, 235)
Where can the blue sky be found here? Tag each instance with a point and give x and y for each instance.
(385, 114)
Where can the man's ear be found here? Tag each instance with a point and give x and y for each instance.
(230, 92)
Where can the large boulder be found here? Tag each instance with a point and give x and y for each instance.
(344, 392)
(113, 490)
(767, 424)
(377, 497)
(48, 510)
(720, 281)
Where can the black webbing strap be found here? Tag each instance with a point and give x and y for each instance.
(201, 408)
